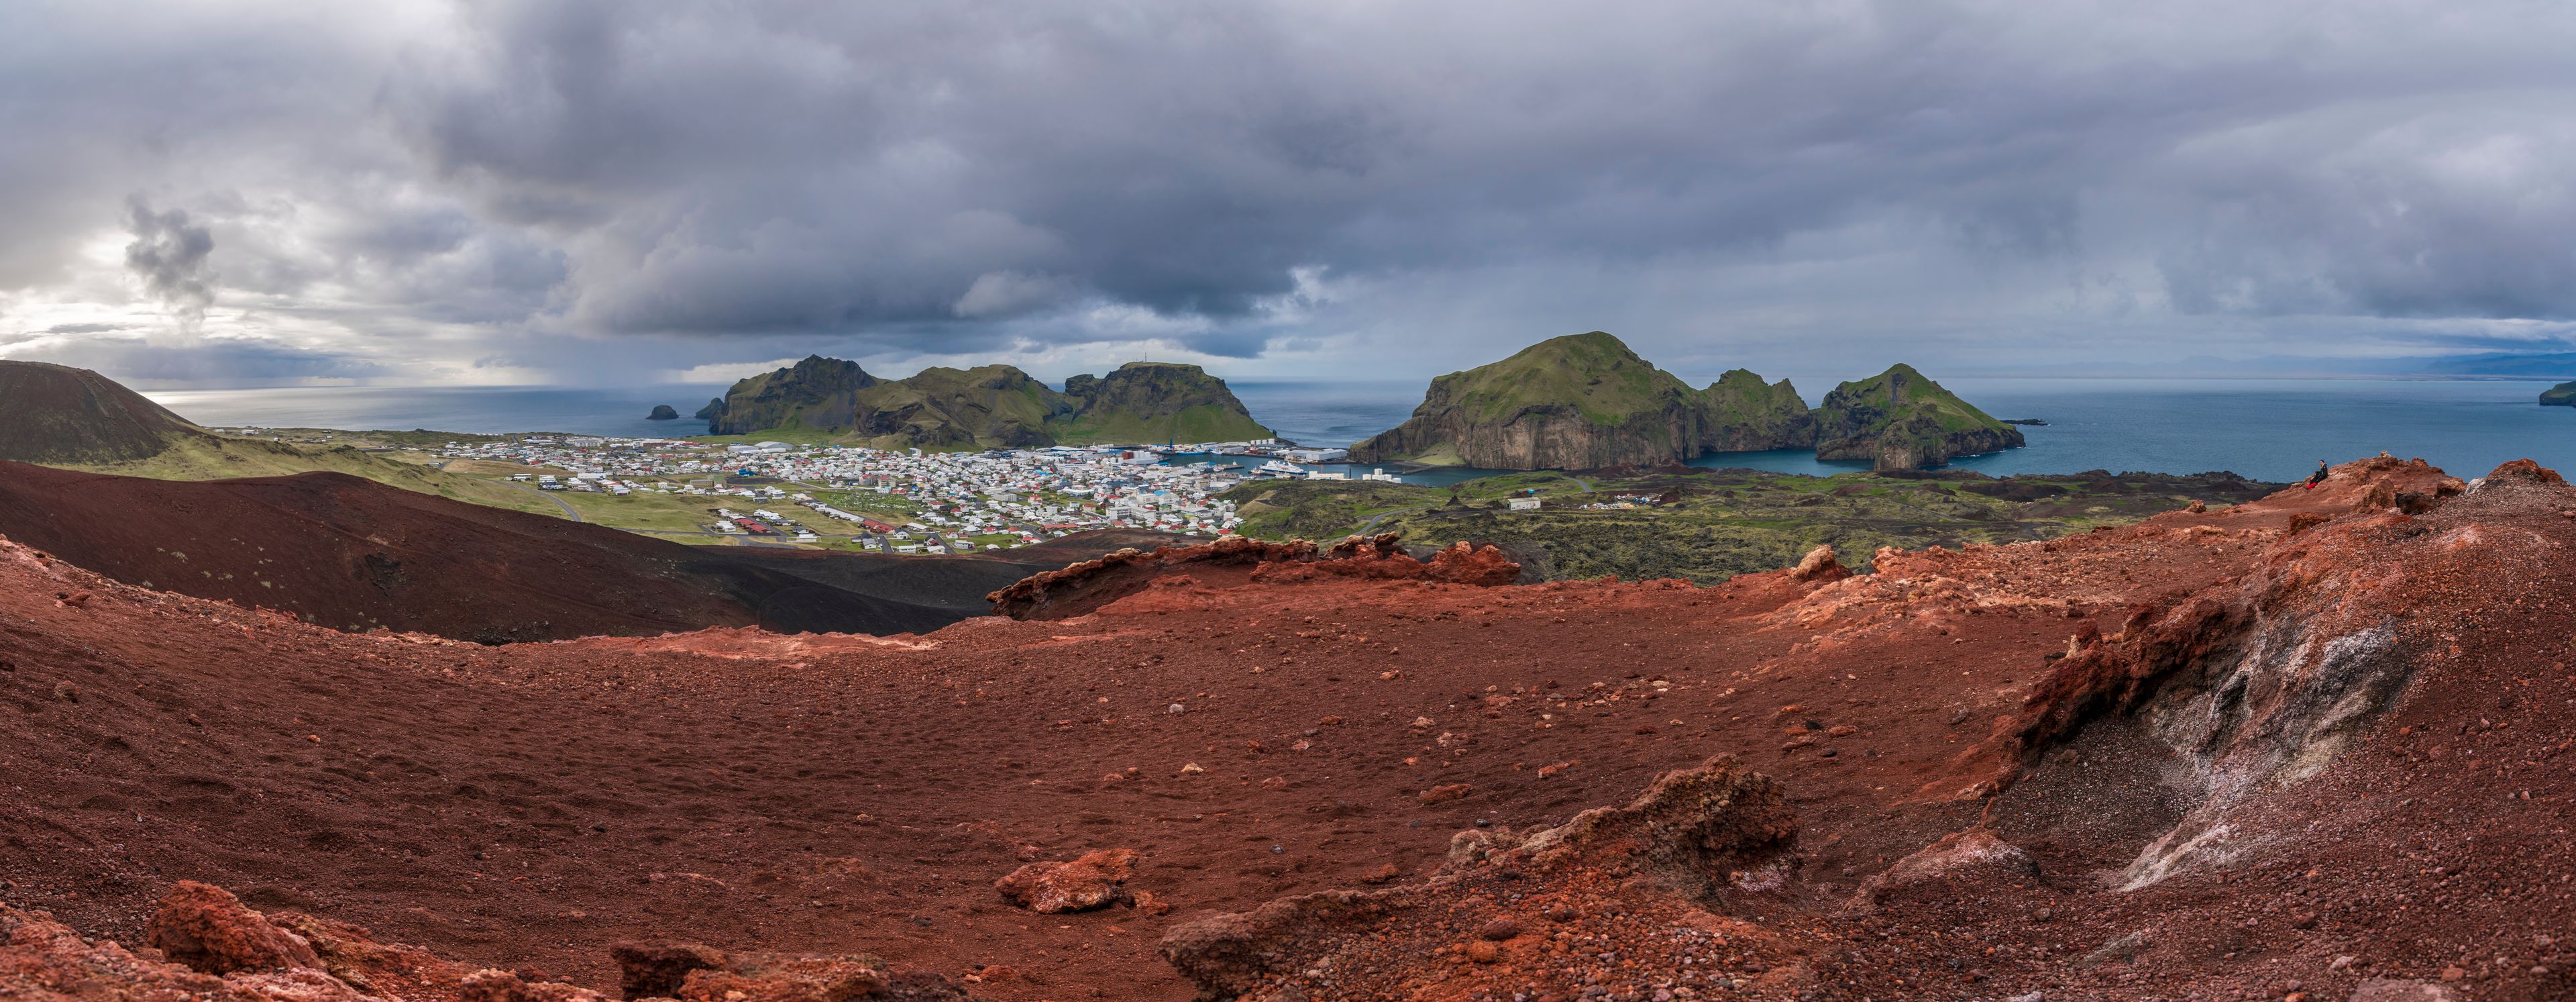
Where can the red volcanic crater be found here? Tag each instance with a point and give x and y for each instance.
(2312, 747)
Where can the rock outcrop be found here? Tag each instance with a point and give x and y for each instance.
(987, 407)
(207, 929)
(817, 394)
(1085, 587)
(1096, 880)
(217, 950)
(1587, 401)
(663, 412)
(2561, 395)
(1899, 420)
(1673, 851)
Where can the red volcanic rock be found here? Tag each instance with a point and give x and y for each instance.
(300, 984)
(1819, 565)
(1086, 587)
(1445, 793)
(2524, 469)
(803, 979)
(1691, 831)
(1092, 881)
(504, 986)
(656, 970)
(1484, 566)
(1685, 825)
(694, 973)
(42, 960)
(207, 929)
(2321, 745)
(1960, 857)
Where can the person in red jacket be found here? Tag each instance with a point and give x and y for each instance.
(2318, 477)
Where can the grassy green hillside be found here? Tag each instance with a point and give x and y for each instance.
(1594, 372)
(1740, 397)
(1901, 392)
(987, 407)
(217, 457)
(1201, 423)
(991, 406)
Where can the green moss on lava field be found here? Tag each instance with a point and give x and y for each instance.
(1708, 526)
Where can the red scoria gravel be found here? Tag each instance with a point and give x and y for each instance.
(2278, 751)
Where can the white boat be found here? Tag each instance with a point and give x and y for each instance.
(1280, 467)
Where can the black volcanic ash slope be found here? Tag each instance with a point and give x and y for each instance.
(59, 414)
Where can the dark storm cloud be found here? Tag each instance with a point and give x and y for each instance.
(169, 254)
(1957, 177)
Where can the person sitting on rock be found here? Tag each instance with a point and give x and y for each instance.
(2318, 477)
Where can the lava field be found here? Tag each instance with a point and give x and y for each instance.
(2313, 747)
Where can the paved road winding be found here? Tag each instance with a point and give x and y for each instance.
(559, 502)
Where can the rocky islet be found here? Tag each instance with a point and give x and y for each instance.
(987, 407)
(1587, 401)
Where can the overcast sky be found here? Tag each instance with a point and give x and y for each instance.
(613, 192)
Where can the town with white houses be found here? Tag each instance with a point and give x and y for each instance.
(907, 501)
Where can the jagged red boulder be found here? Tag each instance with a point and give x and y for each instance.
(209, 930)
(1096, 880)
(651, 970)
(1690, 832)
(801, 979)
(1483, 566)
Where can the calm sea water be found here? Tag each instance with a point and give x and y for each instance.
(2267, 429)
(483, 410)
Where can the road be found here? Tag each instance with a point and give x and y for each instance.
(736, 539)
(559, 502)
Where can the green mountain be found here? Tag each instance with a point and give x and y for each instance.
(58, 415)
(1586, 401)
(1747, 414)
(988, 407)
(1900, 420)
(1146, 402)
(2561, 395)
(818, 393)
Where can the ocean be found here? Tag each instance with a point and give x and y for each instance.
(2268, 429)
(483, 410)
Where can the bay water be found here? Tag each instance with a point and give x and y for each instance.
(2268, 429)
